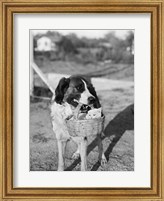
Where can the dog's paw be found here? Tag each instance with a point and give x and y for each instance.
(76, 155)
(60, 169)
(103, 160)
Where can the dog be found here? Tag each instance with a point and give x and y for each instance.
(68, 94)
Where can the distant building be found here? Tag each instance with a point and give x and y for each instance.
(45, 44)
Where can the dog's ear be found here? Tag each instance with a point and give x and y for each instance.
(93, 92)
(61, 89)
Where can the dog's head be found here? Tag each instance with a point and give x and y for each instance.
(74, 90)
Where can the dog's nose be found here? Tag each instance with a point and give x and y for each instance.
(91, 99)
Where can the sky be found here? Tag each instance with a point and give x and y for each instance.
(87, 33)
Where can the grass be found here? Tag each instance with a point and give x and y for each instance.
(43, 144)
(108, 70)
(119, 147)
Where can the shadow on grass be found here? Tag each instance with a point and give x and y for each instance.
(116, 128)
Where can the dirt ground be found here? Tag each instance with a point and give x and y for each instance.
(118, 141)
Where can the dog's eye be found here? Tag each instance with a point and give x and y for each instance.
(79, 87)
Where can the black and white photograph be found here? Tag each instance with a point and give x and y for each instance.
(81, 100)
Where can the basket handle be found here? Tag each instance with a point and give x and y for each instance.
(77, 111)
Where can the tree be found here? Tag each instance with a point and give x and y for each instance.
(130, 41)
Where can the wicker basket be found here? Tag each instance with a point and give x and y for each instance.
(84, 127)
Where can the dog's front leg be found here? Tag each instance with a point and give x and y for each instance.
(83, 153)
(61, 154)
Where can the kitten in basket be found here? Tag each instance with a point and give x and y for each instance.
(72, 93)
(90, 113)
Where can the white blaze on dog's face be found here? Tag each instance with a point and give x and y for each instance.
(85, 95)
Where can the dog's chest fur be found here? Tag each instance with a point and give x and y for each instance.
(59, 113)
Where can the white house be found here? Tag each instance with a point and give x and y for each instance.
(45, 44)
